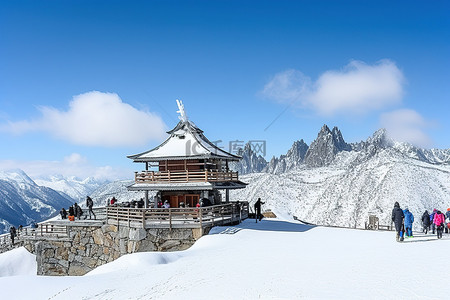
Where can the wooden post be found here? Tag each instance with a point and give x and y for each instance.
(170, 219)
(129, 209)
(143, 218)
(200, 216)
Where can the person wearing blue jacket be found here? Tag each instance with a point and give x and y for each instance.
(409, 220)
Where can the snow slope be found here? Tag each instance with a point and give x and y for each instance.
(17, 262)
(75, 188)
(22, 200)
(273, 259)
(345, 192)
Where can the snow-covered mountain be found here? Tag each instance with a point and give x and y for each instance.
(22, 200)
(293, 158)
(117, 189)
(250, 162)
(75, 188)
(341, 184)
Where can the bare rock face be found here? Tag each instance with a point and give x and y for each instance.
(325, 147)
(293, 158)
(250, 162)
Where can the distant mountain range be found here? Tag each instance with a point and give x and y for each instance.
(324, 149)
(329, 182)
(77, 189)
(23, 201)
(335, 183)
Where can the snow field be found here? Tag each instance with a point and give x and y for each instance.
(273, 259)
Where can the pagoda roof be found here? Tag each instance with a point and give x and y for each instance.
(188, 186)
(186, 141)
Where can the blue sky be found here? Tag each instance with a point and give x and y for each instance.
(85, 83)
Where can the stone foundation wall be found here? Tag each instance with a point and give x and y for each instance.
(91, 246)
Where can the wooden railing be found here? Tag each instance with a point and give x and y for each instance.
(43, 230)
(178, 217)
(184, 176)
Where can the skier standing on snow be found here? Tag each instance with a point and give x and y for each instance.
(409, 220)
(439, 221)
(258, 209)
(397, 218)
(426, 221)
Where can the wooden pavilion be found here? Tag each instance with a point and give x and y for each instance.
(186, 168)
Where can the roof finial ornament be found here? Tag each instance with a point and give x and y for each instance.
(183, 117)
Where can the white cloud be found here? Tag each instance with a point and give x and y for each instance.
(72, 165)
(357, 88)
(406, 125)
(96, 119)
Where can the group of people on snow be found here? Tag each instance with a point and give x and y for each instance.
(436, 222)
(404, 219)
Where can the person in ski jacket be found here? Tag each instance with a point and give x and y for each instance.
(409, 220)
(258, 204)
(12, 232)
(90, 204)
(78, 211)
(426, 221)
(71, 211)
(397, 218)
(63, 213)
(439, 221)
(447, 221)
(433, 226)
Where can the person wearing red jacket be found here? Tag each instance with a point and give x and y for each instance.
(439, 221)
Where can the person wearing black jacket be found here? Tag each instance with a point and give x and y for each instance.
(71, 211)
(12, 232)
(426, 221)
(257, 205)
(398, 219)
(90, 204)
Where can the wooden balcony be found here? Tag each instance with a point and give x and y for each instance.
(223, 214)
(184, 176)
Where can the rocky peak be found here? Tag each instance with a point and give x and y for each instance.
(294, 157)
(325, 147)
(250, 162)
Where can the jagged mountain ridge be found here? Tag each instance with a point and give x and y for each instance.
(23, 201)
(324, 149)
(366, 179)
